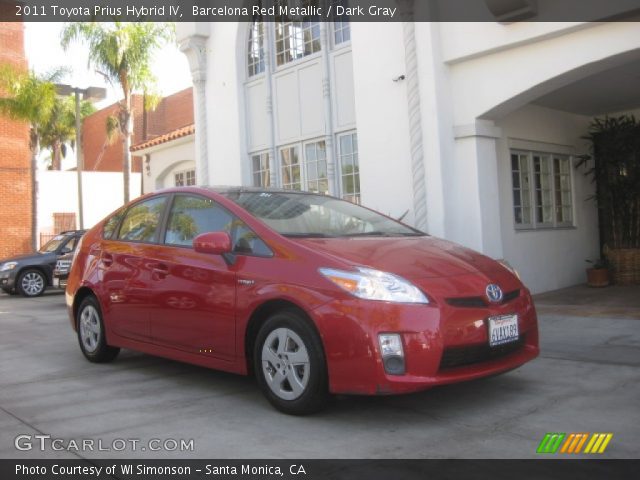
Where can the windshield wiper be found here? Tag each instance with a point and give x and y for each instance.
(377, 233)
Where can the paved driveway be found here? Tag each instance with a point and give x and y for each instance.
(586, 380)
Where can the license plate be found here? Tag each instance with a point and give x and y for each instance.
(503, 329)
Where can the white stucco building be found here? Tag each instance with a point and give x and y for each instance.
(470, 129)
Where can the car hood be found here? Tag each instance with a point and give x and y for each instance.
(27, 258)
(410, 257)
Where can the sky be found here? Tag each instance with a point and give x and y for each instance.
(44, 53)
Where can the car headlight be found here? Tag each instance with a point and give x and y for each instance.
(8, 266)
(508, 266)
(372, 284)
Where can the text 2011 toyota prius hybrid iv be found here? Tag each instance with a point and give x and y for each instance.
(313, 294)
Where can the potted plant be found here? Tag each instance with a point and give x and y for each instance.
(614, 165)
(598, 273)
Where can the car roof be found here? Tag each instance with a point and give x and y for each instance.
(222, 189)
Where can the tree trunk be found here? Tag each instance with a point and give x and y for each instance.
(56, 156)
(127, 126)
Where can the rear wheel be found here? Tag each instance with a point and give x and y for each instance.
(289, 364)
(91, 335)
(31, 283)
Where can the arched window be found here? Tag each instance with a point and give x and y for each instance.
(255, 48)
(297, 39)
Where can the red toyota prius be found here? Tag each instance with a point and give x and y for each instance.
(312, 294)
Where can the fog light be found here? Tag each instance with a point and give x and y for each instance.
(392, 353)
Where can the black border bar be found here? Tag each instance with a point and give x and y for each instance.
(547, 469)
(501, 11)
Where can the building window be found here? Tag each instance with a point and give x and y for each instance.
(341, 26)
(290, 168)
(184, 178)
(261, 170)
(541, 190)
(315, 162)
(255, 48)
(349, 167)
(295, 40)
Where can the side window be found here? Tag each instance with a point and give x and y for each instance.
(192, 215)
(71, 245)
(141, 221)
(110, 226)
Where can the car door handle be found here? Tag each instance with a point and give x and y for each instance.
(160, 269)
(107, 259)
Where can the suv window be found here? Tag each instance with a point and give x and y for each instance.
(192, 215)
(141, 221)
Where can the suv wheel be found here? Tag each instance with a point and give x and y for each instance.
(289, 364)
(31, 283)
(91, 336)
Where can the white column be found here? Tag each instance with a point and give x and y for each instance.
(474, 201)
(334, 188)
(195, 48)
(269, 39)
(415, 115)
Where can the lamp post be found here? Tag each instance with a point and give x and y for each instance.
(91, 94)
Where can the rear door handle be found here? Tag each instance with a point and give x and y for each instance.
(107, 259)
(160, 269)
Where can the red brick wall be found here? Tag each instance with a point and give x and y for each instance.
(98, 154)
(15, 176)
(172, 112)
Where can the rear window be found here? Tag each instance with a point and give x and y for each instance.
(111, 225)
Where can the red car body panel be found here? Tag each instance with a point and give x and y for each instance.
(174, 302)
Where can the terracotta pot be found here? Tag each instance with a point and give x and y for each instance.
(597, 277)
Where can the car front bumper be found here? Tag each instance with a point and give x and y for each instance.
(8, 279)
(441, 344)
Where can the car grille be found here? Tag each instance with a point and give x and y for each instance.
(460, 356)
(479, 302)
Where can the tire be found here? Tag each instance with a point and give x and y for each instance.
(91, 336)
(289, 364)
(31, 283)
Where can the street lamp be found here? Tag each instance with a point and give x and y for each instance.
(91, 94)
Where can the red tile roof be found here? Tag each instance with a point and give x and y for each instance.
(167, 137)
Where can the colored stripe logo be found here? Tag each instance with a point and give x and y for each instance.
(573, 443)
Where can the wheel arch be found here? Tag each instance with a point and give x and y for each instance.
(260, 314)
(80, 295)
(40, 268)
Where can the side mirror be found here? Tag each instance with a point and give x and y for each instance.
(217, 243)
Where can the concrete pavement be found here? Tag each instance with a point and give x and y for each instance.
(586, 380)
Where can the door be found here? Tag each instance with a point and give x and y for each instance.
(127, 272)
(194, 302)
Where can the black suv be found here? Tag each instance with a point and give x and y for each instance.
(30, 274)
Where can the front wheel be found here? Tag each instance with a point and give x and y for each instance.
(91, 336)
(290, 365)
(31, 283)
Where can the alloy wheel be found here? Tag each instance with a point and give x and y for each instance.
(90, 330)
(285, 363)
(32, 284)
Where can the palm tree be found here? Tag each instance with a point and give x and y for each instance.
(30, 98)
(122, 53)
(60, 131)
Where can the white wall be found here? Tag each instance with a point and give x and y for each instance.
(102, 193)
(551, 258)
(382, 118)
(167, 159)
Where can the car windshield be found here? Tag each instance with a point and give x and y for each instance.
(52, 245)
(309, 215)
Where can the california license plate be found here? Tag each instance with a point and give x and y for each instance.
(503, 329)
